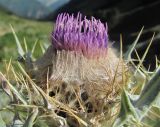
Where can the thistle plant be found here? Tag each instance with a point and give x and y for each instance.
(85, 73)
(79, 81)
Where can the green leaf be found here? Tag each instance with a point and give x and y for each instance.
(41, 123)
(7, 116)
(42, 48)
(14, 90)
(152, 117)
(19, 46)
(5, 101)
(132, 47)
(127, 111)
(150, 91)
(2, 123)
(157, 101)
(30, 121)
(7, 90)
(33, 48)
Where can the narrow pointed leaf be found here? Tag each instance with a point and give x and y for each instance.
(144, 55)
(127, 110)
(34, 46)
(131, 48)
(19, 46)
(150, 91)
(30, 121)
(14, 90)
(7, 90)
(2, 123)
(42, 48)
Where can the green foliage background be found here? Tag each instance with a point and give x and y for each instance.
(30, 30)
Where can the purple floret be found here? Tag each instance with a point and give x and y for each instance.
(80, 35)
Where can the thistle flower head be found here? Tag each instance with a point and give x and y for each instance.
(78, 34)
(75, 39)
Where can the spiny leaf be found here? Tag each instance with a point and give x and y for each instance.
(127, 110)
(25, 45)
(157, 101)
(150, 91)
(41, 123)
(34, 46)
(19, 46)
(29, 79)
(42, 48)
(2, 123)
(152, 118)
(131, 48)
(144, 55)
(30, 121)
(126, 105)
(14, 90)
(7, 90)
(45, 100)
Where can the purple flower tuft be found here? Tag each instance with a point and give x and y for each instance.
(80, 34)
